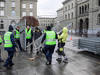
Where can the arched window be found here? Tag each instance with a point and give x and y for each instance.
(72, 15)
(68, 7)
(82, 9)
(66, 17)
(99, 2)
(98, 19)
(72, 5)
(69, 16)
(86, 8)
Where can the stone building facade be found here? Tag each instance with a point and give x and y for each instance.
(46, 21)
(69, 12)
(82, 17)
(12, 10)
(94, 16)
(60, 15)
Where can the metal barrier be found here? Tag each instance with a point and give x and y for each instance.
(14, 23)
(90, 44)
(22, 25)
(75, 43)
(36, 44)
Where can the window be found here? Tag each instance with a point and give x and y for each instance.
(31, 13)
(69, 7)
(23, 5)
(98, 19)
(1, 4)
(13, 4)
(1, 26)
(13, 13)
(99, 2)
(86, 8)
(31, 5)
(66, 17)
(65, 8)
(72, 5)
(80, 10)
(24, 14)
(72, 15)
(1, 12)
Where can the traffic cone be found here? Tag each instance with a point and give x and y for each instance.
(71, 38)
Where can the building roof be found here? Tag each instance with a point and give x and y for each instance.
(47, 17)
(60, 9)
(66, 1)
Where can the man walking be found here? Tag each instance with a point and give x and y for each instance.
(50, 43)
(9, 45)
(61, 43)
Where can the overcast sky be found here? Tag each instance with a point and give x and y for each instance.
(48, 7)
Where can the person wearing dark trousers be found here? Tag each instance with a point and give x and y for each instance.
(29, 37)
(9, 46)
(61, 43)
(17, 37)
(0, 48)
(50, 43)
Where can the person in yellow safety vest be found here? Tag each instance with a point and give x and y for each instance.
(9, 46)
(49, 44)
(29, 37)
(61, 43)
(0, 48)
(17, 37)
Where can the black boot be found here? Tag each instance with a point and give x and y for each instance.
(59, 60)
(48, 63)
(65, 60)
(11, 64)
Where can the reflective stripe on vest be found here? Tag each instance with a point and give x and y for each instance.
(17, 36)
(0, 39)
(28, 34)
(50, 38)
(7, 40)
(61, 49)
